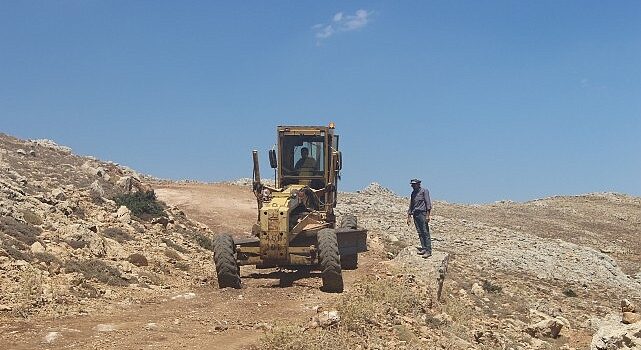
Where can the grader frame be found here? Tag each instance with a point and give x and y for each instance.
(296, 225)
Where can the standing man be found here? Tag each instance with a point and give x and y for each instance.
(420, 208)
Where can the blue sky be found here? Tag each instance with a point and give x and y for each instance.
(483, 100)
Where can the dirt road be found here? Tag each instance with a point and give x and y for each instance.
(201, 317)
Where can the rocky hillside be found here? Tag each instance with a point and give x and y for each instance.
(547, 274)
(89, 258)
(69, 238)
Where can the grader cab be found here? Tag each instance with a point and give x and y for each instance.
(296, 225)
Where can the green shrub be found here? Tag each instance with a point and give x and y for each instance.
(142, 204)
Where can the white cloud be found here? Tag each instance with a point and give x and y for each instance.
(342, 22)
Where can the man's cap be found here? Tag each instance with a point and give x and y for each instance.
(415, 181)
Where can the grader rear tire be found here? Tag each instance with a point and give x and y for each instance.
(330, 261)
(349, 221)
(349, 262)
(226, 266)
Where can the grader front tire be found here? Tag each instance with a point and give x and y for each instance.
(225, 260)
(330, 261)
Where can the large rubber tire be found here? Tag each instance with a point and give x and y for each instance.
(349, 262)
(225, 260)
(330, 261)
(349, 221)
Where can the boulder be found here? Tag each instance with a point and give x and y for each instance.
(162, 220)
(614, 335)
(132, 184)
(630, 318)
(79, 236)
(123, 210)
(114, 249)
(58, 194)
(324, 319)
(477, 290)
(96, 190)
(123, 215)
(37, 247)
(627, 306)
(548, 328)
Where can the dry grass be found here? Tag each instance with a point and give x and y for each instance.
(32, 218)
(98, 270)
(371, 315)
(138, 259)
(203, 240)
(30, 295)
(175, 245)
(24, 233)
(295, 338)
(172, 255)
(490, 287)
(117, 234)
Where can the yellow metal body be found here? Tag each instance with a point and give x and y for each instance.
(301, 202)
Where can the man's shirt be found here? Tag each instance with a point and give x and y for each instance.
(420, 201)
(308, 163)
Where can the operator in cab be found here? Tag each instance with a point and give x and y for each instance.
(306, 165)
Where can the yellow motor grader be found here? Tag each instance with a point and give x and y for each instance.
(296, 224)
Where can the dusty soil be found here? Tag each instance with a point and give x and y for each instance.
(212, 318)
(222, 207)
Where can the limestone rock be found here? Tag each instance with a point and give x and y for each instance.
(132, 184)
(58, 194)
(114, 249)
(51, 337)
(96, 190)
(477, 290)
(627, 306)
(37, 247)
(324, 319)
(79, 236)
(549, 328)
(630, 317)
(123, 215)
(615, 335)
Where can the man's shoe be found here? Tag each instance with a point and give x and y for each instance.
(427, 255)
(421, 252)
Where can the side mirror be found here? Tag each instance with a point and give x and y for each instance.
(273, 160)
(340, 161)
